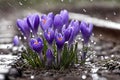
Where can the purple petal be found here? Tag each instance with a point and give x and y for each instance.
(51, 15)
(86, 30)
(16, 41)
(23, 26)
(58, 22)
(33, 21)
(65, 16)
(36, 44)
(60, 40)
(46, 22)
(49, 35)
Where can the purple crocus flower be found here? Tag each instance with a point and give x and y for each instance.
(75, 25)
(33, 22)
(65, 16)
(16, 41)
(36, 45)
(72, 36)
(49, 57)
(67, 33)
(60, 40)
(86, 30)
(74, 30)
(61, 19)
(23, 26)
(58, 23)
(49, 35)
(46, 21)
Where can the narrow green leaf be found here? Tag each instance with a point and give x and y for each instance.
(75, 52)
(29, 60)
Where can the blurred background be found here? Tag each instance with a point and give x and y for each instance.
(11, 10)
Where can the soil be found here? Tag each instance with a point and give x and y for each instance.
(104, 65)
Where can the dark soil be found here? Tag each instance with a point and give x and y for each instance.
(105, 65)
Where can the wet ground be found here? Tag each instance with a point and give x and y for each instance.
(104, 64)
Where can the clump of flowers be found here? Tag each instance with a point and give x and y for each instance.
(56, 47)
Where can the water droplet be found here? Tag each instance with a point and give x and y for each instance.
(9, 26)
(89, 45)
(25, 38)
(102, 58)
(32, 76)
(93, 34)
(22, 33)
(114, 13)
(84, 10)
(66, 42)
(21, 3)
(79, 38)
(20, 38)
(106, 18)
(14, 49)
(112, 60)
(94, 43)
(91, 0)
(40, 33)
(112, 56)
(100, 35)
(33, 36)
(62, 0)
(82, 39)
(86, 72)
(31, 31)
(83, 76)
(106, 57)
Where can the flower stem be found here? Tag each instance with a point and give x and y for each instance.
(84, 53)
(58, 57)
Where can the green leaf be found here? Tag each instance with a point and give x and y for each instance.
(54, 49)
(65, 55)
(75, 52)
(45, 45)
(29, 60)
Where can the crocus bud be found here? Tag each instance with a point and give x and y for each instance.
(36, 45)
(33, 22)
(67, 33)
(65, 16)
(72, 36)
(49, 35)
(61, 19)
(60, 40)
(49, 57)
(16, 41)
(46, 21)
(58, 23)
(86, 30)
(23, 26)
(75, 25)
